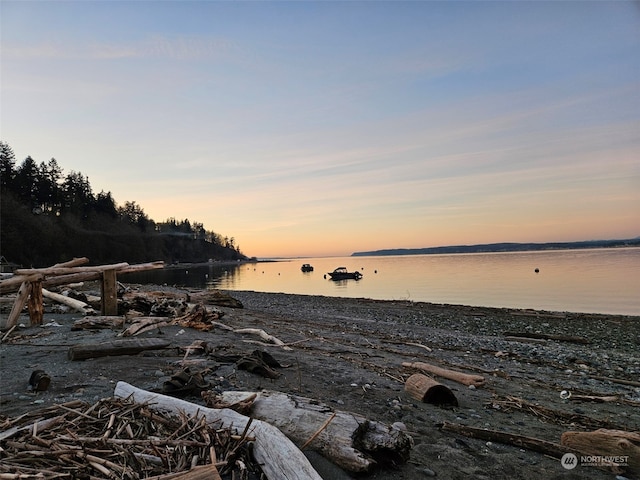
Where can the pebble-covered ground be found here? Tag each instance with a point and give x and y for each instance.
(348, 353)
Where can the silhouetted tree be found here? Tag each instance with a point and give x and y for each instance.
(49, 189)
(48, 217)
(7, 165)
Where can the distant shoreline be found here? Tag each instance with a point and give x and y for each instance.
(503, 247)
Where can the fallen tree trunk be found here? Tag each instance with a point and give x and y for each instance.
(69, 302)
(463, 378)
(279, 458)
(534, 444)
(129, 346)
(612, 444)
(349, 440)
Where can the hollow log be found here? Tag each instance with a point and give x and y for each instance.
(349, 440)
(463, 378)
(426, 389)
(69, 302)
(607, 443)
(279, 458)
(129, 346)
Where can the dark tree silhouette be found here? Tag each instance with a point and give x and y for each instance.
(47, 217)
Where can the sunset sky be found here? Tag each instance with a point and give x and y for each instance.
(324, 128)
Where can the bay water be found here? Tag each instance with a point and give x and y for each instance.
(587, 280)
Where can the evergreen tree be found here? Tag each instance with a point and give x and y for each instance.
(7, 166)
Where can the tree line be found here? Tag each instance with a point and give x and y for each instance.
(47, 216)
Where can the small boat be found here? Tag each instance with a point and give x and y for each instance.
(341, 273)
(307, 267)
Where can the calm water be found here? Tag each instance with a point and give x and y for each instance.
(591, 281)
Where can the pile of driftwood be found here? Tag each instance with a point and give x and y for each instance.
(116, 438)
(31, 285)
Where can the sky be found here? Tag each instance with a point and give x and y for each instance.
(322, 128)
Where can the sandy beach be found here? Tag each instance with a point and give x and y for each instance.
(348, 353)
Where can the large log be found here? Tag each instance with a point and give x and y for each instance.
(607, 443)
(534, 444)
(12, 284)
(129, 346)
(349, 440)
(18, 304)
(141, 267)
(279, 458)
(67, 270)
(75, 274)
(463, 378)
(74, 262)
(69, 302)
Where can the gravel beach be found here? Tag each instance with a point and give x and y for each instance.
(348, 353)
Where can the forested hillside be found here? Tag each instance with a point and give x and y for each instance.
(47, 216)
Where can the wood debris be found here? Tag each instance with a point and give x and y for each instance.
(463, 378)
(116, 438)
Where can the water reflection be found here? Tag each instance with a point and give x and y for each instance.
(593, 281)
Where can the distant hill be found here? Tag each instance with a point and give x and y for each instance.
(503, 247)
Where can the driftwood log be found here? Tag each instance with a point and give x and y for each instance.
(463, 378)
(349, 440)
(548, 336)
(279, 458)
(129, 346)
(607, 443)
(69, 302)
(98, 322)
(426, 389)
(206, 297)
(32, 282)
(545, 447)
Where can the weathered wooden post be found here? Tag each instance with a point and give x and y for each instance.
(18, 304)
(109, 293)
(35, 304)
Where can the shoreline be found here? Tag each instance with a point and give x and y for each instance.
(348, 353)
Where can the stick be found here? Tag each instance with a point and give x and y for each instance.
(264, 335)
(313, 437)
